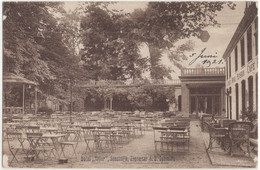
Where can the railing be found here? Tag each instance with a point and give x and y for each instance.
(203, 71)
(12, 110)
(117, 83)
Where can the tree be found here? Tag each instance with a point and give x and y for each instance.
(36, 46)
(111, 39)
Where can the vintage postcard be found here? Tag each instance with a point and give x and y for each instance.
(130, 84)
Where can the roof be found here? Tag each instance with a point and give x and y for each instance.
(246, 21)
(12, 78)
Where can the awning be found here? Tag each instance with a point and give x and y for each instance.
(12, 78)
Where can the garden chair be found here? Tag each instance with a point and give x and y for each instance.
(89, 137)
(239, 133)
(39, 145)
(15, 144)
(66, 143)
(32, 129)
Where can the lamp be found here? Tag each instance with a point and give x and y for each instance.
(228, 91)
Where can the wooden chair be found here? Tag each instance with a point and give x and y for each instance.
(239, 133)
(88, 137)
(15, 144)
(33, 129)
(68, 142)
(38, 146)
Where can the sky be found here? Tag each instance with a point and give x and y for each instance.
(216, 45)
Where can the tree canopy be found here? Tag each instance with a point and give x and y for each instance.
(54, 47)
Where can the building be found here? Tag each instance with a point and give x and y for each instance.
(241, 58)
(202, 91)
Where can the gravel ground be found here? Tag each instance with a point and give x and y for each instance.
(138, 153)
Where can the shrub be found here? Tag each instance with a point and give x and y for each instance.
(249, 114)
(45, 110)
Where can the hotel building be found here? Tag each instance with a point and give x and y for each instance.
(241, 58)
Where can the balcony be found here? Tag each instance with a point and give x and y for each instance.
(203, 72)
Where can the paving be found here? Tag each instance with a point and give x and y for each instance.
(220, 157)
(138, 153)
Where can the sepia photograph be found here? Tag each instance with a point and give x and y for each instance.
(130, 84)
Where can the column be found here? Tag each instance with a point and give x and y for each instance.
(222, 99)
(196, 105)
(185, 104)
(213, 102)
(105, 103)
(35, 100)
(111, 103)
(23, 97)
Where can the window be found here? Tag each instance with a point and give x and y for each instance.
(237, 103)
(230, 104)
(227, 104)
(243, 85)
(256, 90)
(230, 107)
(229, 67)
(242, 43)
(227, 70)
(249, 43)
(236, 58)
(250, 93)
(256, 36)
(256, 43)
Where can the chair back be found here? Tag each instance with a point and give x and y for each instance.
(33, 129)
(12, 139)
(33, 139)
(226, 122)
(240, 131)
(216, 132)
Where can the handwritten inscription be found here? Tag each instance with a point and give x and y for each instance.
(208, 60)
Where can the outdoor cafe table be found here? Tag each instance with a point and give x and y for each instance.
(11, 125)
(105, 135)
(56, 139)
(49, 129)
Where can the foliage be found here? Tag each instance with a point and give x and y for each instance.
(42, 42)
(249, 115)
(40, 47)
(45, 110)
(111, 39)
(141, 97)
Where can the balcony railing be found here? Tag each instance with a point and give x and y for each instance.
(203, 72)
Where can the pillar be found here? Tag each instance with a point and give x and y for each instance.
(111, 103)
(23, 97)
(185, 104)
(35, 101)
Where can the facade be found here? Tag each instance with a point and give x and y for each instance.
(241, 58)
(202, 91)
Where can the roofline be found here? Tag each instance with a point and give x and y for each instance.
(248, 18)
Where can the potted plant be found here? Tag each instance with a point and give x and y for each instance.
(249, 115)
